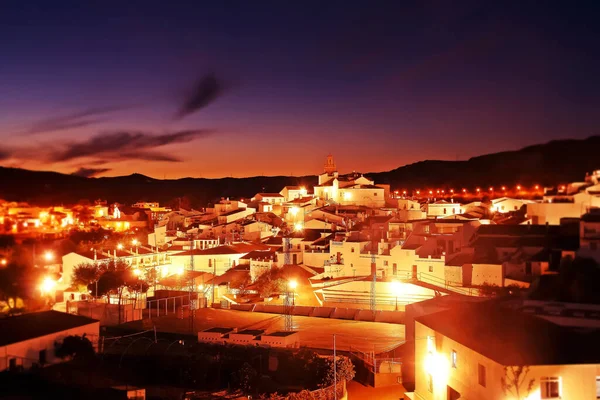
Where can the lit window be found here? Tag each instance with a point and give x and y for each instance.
(550, 387)
(481, 374)
(385, 263)
(598, 387)
(454, 358)
(430, 344)
(431, 268)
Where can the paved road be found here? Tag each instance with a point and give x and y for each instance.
(313, 332)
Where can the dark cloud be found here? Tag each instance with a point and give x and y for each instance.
(124, 145)
(89, 172)
(5, 154)
(205, 91)
(76, 120)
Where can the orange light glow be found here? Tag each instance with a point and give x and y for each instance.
(518, 187)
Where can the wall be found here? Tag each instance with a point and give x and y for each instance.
(491, 274)
(27, 352)
(551, 213)
(315, 259)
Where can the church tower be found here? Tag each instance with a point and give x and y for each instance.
(330, 167)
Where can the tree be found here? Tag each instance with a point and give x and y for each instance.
(247, 378)
(75, 347)
(344, 371)
(513, 382)
(85, 274)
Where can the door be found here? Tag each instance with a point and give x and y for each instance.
(414, 272)
(295, 259)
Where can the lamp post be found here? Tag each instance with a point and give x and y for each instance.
(292, 284)
(396, 287)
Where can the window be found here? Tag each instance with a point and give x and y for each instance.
(430, 382)
(431, 268)
(375, 194)
(351, 249)
(395, 269)
(430, 344)
(481, 374)
(597, 387)
(550, 387)
(385, 263)
(453, 358)
(42, 357)
(444, 211)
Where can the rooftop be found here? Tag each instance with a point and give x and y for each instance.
(253, 332)
(218, 330)
(33, 325)
(281, 333)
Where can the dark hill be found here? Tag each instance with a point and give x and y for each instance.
(546, 164)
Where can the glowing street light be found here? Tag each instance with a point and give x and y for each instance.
(134, 242)
(518, 187)
(47, 285)
(3, 261)
(464, 191)
(418, 192)
(120, 246)
(478, 190)
(137, 272)
(298, 227)
(294, 210)
(537, 187)
(48, 256)
(504, 188)
(292, 285)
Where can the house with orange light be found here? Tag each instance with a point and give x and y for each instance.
(484, 351)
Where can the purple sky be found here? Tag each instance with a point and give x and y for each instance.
(379, 85)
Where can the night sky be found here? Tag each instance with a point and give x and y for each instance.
(241, 88)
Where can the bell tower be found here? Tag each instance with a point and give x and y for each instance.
(330, 167)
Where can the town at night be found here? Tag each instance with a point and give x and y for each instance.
(299, 200)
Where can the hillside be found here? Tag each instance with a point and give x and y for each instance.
(546, 164)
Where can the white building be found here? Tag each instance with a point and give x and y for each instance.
(467, 351)
(32, 338)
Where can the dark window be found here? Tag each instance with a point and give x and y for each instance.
(12, 364)
(374, 194)
(42, 357)
(481, 374)
(431, 268)
(528, 268)
(394, 268)
(550, 387)
(444, 211)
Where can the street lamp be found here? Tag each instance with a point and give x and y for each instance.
(47, 285)
(48, 256)
(292, 284)
(396, 288)
(120, 246)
